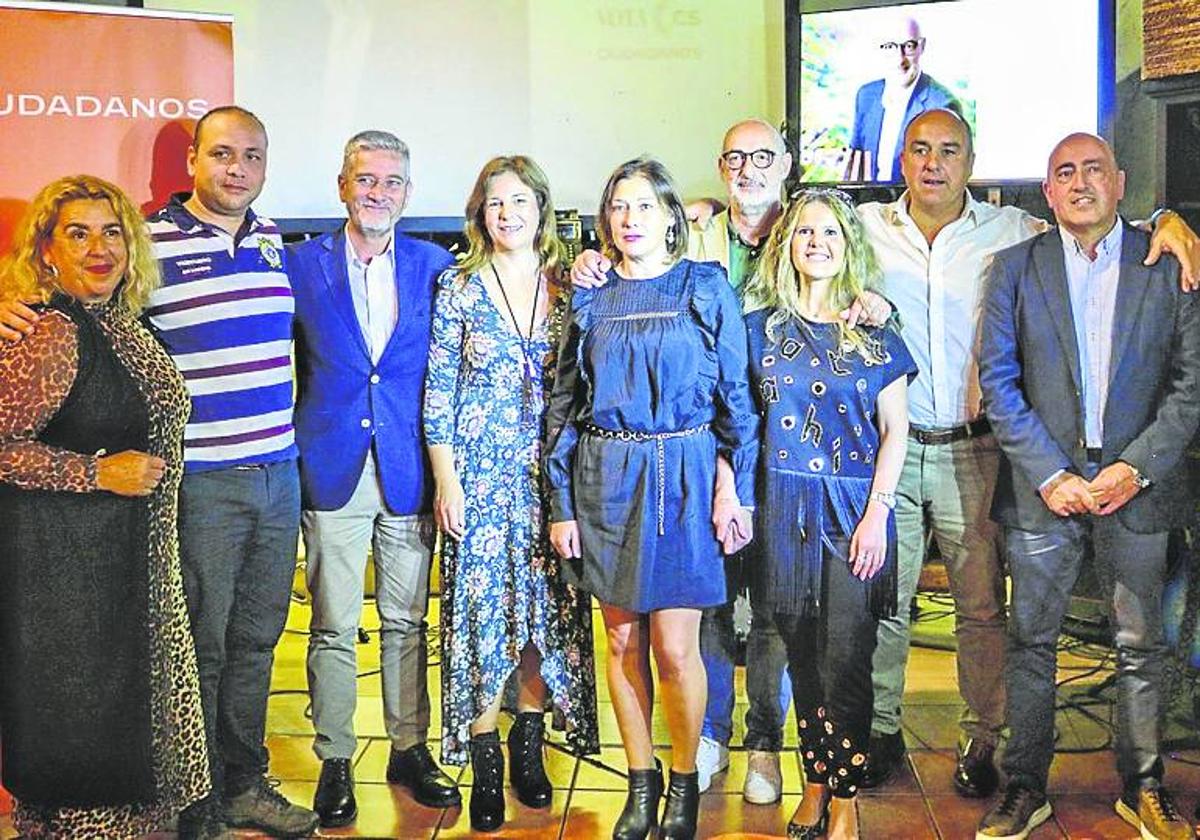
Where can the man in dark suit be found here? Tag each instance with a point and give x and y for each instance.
(1090, 372)
(884, 108)
(363, 297)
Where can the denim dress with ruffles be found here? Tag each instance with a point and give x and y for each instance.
(652, 385)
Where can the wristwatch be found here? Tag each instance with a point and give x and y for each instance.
(1140, 480)
(888, 500)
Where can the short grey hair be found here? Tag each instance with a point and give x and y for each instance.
(373, 140)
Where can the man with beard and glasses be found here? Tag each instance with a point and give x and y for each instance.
(363, 298)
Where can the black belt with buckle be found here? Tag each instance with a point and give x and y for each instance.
(1094, 454)
(938, 437)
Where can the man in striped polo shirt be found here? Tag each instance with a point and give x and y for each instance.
(224, 313)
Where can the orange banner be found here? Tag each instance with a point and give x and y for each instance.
(106, 91)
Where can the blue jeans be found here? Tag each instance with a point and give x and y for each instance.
(1044, 565)
(767, 686)
(238, 529)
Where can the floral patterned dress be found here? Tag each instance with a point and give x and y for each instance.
(501, 583)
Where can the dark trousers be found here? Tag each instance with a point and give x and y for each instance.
(829, 659)
(767, 686)
(1044, 566)
(238, 530)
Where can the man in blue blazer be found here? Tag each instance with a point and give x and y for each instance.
(884, 108)
(1090, 372)
(363, 297)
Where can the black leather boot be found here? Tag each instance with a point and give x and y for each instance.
(487, 788)
(525, 760)
(640, 813)
(683, 801)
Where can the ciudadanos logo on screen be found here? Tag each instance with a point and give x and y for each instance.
(48, 104)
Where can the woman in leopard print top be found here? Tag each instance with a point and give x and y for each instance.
(99, 697)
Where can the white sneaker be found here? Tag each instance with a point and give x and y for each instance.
(711, 758)
(764, 780)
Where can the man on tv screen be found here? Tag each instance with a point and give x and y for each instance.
(884, 108)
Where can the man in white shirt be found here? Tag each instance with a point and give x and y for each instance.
(933, 245)
(883, 108)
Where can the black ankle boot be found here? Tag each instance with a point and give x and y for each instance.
(525, 760)
(683, 801)
(487, 788)
(640, 814)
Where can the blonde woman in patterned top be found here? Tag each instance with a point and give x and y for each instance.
(99, 696)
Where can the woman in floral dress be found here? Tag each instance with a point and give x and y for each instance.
(505, 607)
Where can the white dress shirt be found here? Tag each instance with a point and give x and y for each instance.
(1093, 290)
(373, 290)
(895, 105)
(938, 291)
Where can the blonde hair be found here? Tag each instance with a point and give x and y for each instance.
(777, 285)
(552, 253)
(25, 276)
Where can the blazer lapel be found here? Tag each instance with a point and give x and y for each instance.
(1131, 291)
(1051, 274)
(337, 282)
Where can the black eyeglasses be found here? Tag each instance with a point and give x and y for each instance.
(735, 159)
(908, 47)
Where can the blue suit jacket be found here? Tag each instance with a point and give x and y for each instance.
(868, 117)
(1032, 392)
(345, 404)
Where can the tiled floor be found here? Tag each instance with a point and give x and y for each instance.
(589, 793)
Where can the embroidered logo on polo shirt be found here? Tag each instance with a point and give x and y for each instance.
(270, 253)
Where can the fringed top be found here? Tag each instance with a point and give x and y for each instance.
(816, 397)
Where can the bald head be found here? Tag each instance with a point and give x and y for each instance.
(1080, 140)
(754, 133)
(1083, 187)
(752, 188)
(942, 120)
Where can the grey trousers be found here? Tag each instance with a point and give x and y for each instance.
(337, 543)
(951, 486)
(1131, 569)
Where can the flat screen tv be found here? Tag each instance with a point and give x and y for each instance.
(1022, 73)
